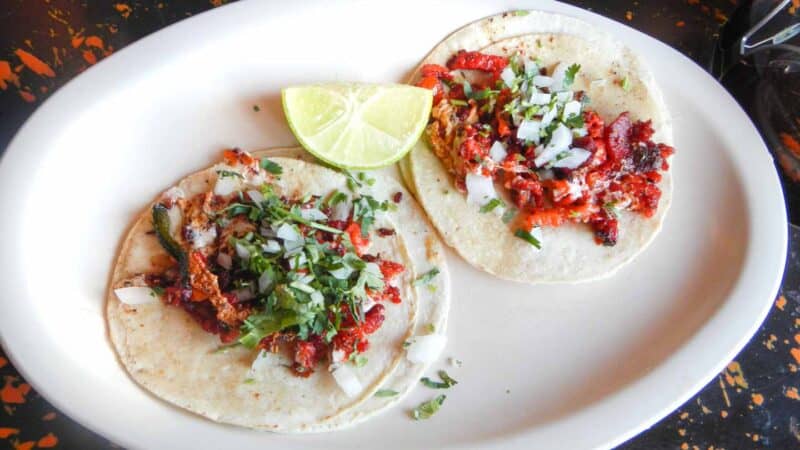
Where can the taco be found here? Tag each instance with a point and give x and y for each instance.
(546, 158)
(274, 293)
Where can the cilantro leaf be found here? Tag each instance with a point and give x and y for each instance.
(229, 173)
(447, 381)
(569, 76)
(427, 409)
(385, 393)
(491, 205)
(426, 277)
(271, 167)
(528, 237)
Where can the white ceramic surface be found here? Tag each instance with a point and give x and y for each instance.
(545, 367)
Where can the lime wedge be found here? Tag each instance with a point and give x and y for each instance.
(357, 126)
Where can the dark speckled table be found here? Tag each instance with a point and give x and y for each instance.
(753, 403)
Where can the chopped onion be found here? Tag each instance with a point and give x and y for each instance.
(201, 238)
(244, 294)
(572, 108)
(341, 273)
(338, 356)
(531, 68)
(579, 132)
(559, 141)
(288, 233)
(136, 295)
(542, 81)
(271, 246)
(341, 211)
(258, 179)
(576, 157)
(575, 190)
(173, 194)
(225, 261)
(242, 251)
(563, 97)
(265, 281)
(480, 189)
(256, 196)
(498, 151)
(528, 131)
(292, 248)
(508, 77)
(175, 219)
(313, 214)
(298, 261)
(317, 298)
(226, 185)
(347, 380)
(426, 349)
(549, 115)
(540, 98)
(558, 77)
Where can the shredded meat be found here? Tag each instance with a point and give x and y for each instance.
(205, 286)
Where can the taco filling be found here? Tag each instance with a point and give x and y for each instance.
(513, 122)
(275, 273)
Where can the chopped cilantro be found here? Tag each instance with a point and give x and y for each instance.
(521, 12)
(457, 102)
(249, 381)
(228, 174)
(491, 205)
(528, 237)
(569, 76)
(427, 409)
(426, 277)
(271, 167)
(431, 328)
(385, 393)
(574, 121)
(625, 84)
(447, 381)
(358, 359)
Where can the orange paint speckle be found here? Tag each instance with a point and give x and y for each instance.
(94, 41)
(48, 441)
(680, 24)
(792, 393)
(7, 76)
(797, 338)
(27, 96)
(723, 414)
(758, 399)
(77, 40)
(89, 57)
(123, 9)
(11, 394)
(795, 5)
(24, 445)
(734, 373)
(49, 416)
(35, 64)
(780, 303)
(684, 416)
(3, 362)
(628, 15)
(756, 438)
(795, 352)
(682, 431)
(6, 432)
(684, 446)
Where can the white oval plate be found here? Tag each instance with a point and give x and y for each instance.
(556, 366)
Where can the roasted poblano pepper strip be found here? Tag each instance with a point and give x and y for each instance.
(161, 224)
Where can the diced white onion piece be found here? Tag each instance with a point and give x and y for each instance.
(313, 214)
(538, 150)
(508, 77)
(480, 189)
(575, 190)
(175, 219)
(288, 233)
(498, 151)
(258, 179)
(265, 281)
(256, 196)
(306, 279)
(136, 295)
(546, 174)
(244, 294)
(540, 98)
(271, 246)
(531, 68)
(346, 379)
(201, 238)
(559, 141)
(173, 194)
(579, 132)
(563, 97)
(542, 81)
(340, 211)
(242, 251)
(341, 273)
(572, 108)
(577, 156)
(293, 247)
(367, 304)
(338, 356)
(549, 116)
(317, 298)
(426, 349)
(558, 75)
(524, 86)
(529, 130)
(225, 261)
(226, 185)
